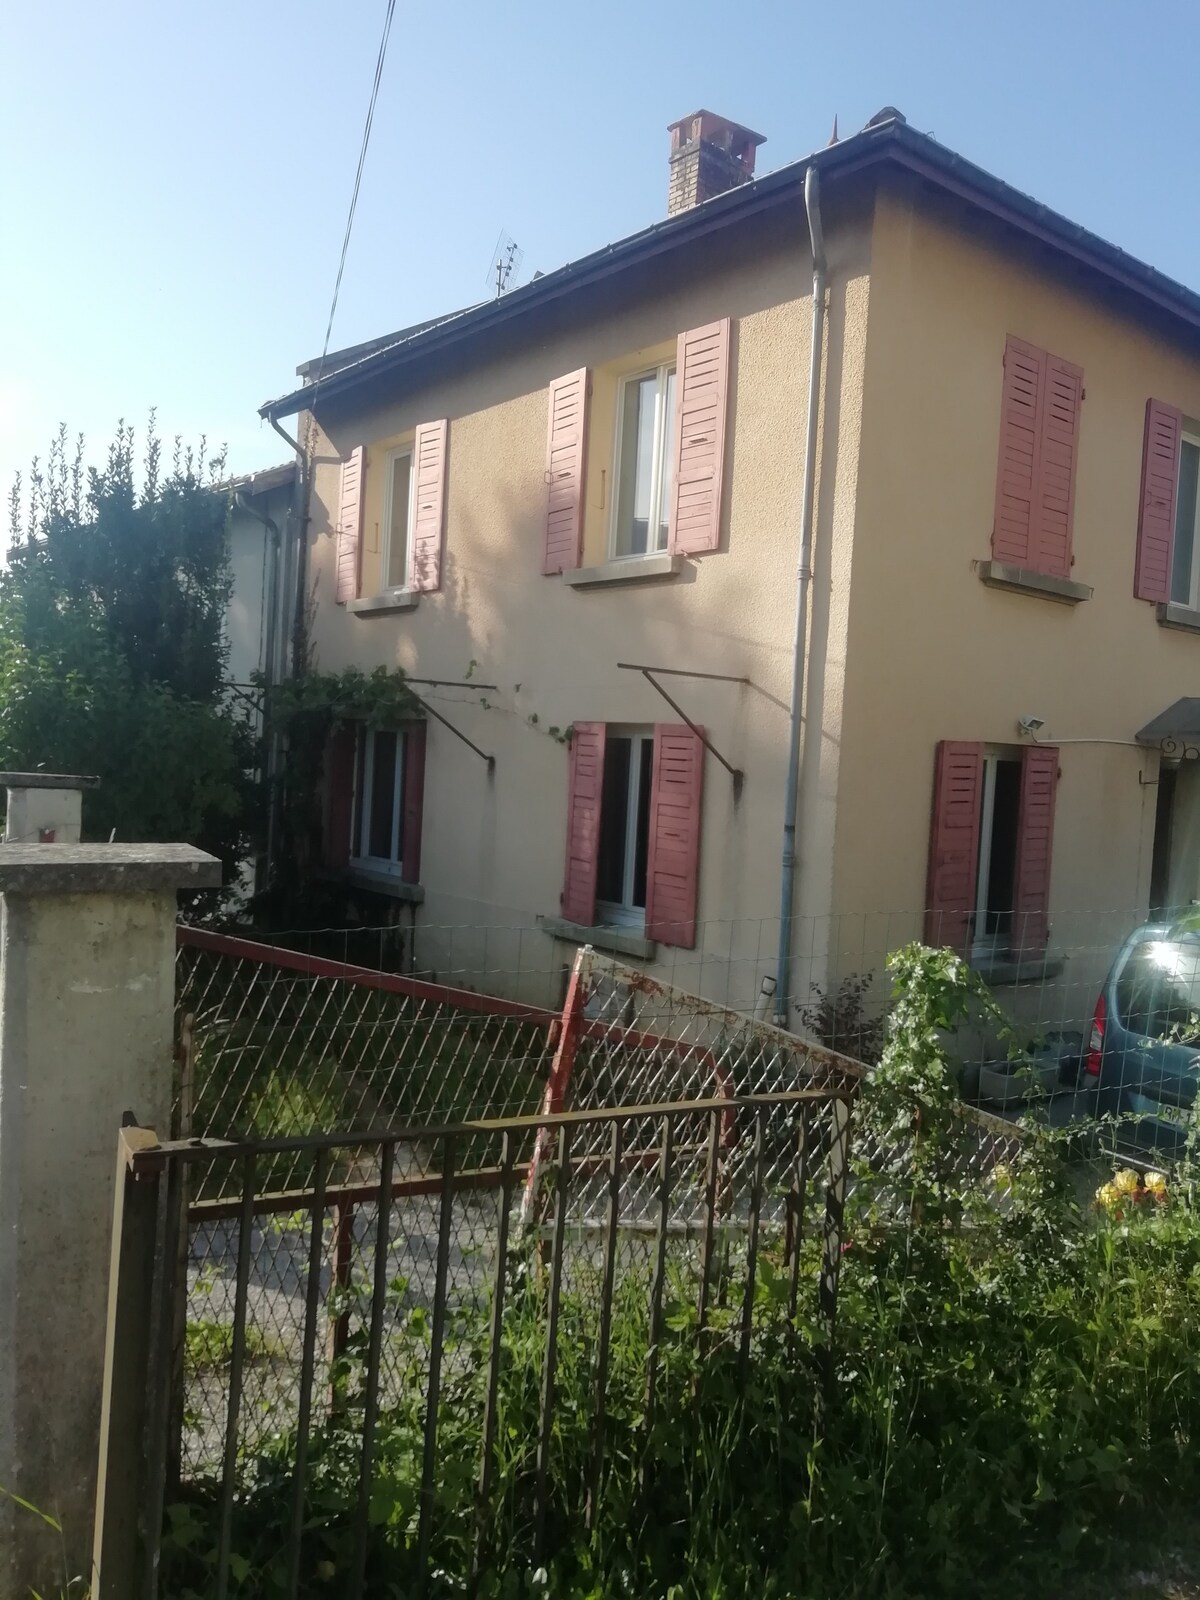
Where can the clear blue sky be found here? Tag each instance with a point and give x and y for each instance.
(175, 176)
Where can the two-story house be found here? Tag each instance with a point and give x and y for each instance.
(604, 472)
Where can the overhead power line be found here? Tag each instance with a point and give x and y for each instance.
(362, 159)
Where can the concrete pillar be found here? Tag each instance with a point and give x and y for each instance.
(87, 987)
(44, 807)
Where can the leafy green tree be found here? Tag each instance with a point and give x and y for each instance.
(112, 648)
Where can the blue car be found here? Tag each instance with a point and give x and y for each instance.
(1143, 1055)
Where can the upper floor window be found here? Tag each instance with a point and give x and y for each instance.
(397, 520)
(645, 453)
(1185, 557)
(1041, 400)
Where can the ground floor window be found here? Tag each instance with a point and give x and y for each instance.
(633, 829)
(625, 826)
(388, 786)
(990, 848)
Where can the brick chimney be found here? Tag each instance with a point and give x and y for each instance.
(708, 156)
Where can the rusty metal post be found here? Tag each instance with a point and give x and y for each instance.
(341, 1249)
(555, 1096)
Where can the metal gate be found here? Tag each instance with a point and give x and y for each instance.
(343, 1291)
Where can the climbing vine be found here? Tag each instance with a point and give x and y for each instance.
(302, 713)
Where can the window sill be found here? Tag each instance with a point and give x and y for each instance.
(1177, 616)
(1023, 580)
(618, 941)
(384, 883)
(629, 569)
(384, 605)
(1010, 970)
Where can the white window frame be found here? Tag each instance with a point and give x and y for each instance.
(659, 514)
(360, 824)
(625, 914)
(1188, 436)
(385, 541)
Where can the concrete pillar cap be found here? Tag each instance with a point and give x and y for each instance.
(105, 868)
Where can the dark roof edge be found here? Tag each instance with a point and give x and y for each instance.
(892, 143)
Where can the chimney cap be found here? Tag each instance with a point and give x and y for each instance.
(707, 125)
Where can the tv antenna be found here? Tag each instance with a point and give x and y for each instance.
(506, 264)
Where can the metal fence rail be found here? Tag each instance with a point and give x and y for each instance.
(628, 1200)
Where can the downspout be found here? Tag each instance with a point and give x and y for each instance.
(796, 749)
(263, 866)
(300, 544)
(295, 556)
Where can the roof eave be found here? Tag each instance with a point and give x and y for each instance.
(893, 144)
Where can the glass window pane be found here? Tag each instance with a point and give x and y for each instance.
(383, 795)
(1185, 524)
(614, 817)
(634, 510)
(642, 838)
(360, 774)
(1002, 866)
(667, 459)
(397, 551)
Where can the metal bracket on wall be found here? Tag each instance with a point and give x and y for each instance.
(458, 734)
(648, 673)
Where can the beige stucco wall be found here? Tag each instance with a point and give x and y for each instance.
(933, 653)
(493, 849)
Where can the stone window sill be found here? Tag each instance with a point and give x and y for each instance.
(1010, 970)
(617, 941)
(384, 605)
(630, 569)
(1175, 616)
(1023, 580)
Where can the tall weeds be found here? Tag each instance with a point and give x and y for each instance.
(1015, 1385)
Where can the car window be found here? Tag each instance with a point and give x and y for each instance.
(1158, 990)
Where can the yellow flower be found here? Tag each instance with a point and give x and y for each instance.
(1002, 1175)
(1107, 1196)
(1126, 1181)
(1156, 1182)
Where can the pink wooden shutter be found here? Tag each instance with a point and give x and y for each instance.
(673, 868)
(349, 526)
(1156, 516)
(430, 454)
(1020, 452)
(339, 795)
(954, 845)
(566, 441)
(1035, 834)
(414, 802)
(583, 822)
(701, 386)
(1058, 457)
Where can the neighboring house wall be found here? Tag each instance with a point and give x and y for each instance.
(495, 847)
(934, 653)
(246, 615)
